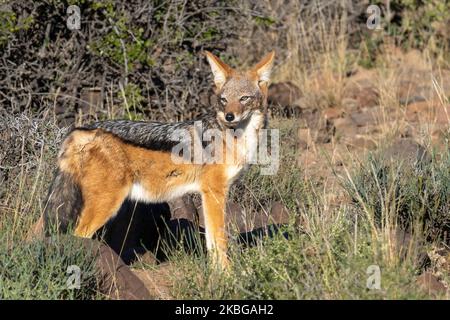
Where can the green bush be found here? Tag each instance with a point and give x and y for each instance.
(415, 23)
(40, 269)
(405, 194)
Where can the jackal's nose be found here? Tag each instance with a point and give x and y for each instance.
(229, 117)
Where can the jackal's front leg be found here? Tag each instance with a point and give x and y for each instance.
(213, 202)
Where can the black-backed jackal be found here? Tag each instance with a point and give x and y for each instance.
(102, 164)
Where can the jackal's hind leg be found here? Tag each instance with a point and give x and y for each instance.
(98, 210)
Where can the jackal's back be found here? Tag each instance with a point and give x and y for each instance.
(151, 135)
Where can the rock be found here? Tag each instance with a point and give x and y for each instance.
(409, 91)
(418, 106)
(241, 221)
(362, 143)
(307, 160)
(304, 134)
(350, 104)
(333, 113)
(283, 97)
(148, 258)
(416, 111)
(315, 129)
(302, 144)
(158, 281)
(342, 123)
(442, 115)
(408, 100)
(407, 150)
(116, 279)
(324, 135)
(235, 217)
(311, 119)
(373, 130)
(279, 214)
(345, 127)
(283, 94)
(430, 284)
(411, 117)
(183, 208)
(366, 95)
(363, 118)
(431, 112)
(265, 224)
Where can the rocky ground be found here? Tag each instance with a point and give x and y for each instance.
(406, 107)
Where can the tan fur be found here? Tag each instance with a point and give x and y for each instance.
(105, 168)
(108, 170)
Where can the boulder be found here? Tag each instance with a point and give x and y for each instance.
(283, 94)
(408, 151)
(283, 99)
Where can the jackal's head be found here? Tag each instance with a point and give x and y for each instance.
(240, 94)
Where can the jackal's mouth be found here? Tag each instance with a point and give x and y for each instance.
(231, 125)
(234, 124)
(237, 121)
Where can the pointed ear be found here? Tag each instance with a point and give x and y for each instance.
(264, 68)
(220, 70)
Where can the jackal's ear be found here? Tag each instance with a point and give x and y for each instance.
(220, 70)
(263, 68)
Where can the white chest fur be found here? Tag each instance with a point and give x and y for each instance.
(139, 193)
(246, 146)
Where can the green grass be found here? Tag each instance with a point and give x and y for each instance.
(303, 267)
(404, 194)
(256, 192)
(326, 256)
(34, 268)
(46, 270)
(329, 250)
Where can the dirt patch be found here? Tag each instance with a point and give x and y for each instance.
(158, 281)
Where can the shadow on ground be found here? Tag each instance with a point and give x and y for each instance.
(139, 228)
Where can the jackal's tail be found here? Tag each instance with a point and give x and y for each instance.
(64, 203)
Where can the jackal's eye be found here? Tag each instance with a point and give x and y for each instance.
(245, 99)
(223, 100)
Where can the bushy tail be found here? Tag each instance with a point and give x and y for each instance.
(64, 203)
